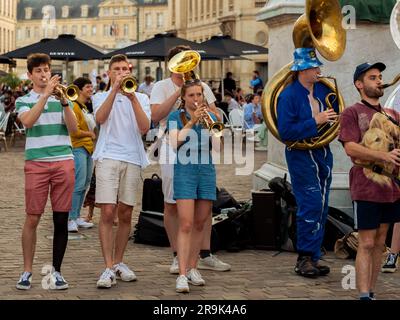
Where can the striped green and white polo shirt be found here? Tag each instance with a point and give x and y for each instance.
(48, 139)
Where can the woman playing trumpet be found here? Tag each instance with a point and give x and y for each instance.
(195, 179)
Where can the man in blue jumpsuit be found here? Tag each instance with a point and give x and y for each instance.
(301, 109)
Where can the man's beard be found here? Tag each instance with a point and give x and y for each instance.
(373, 93)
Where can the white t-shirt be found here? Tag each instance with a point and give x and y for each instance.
(120, 137)
(163, 89)
(146, 89)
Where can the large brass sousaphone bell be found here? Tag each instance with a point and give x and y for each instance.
(320, 27)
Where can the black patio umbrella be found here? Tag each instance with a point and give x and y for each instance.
(5, 60)
(66, 47)
(157, 48)
(233, 48)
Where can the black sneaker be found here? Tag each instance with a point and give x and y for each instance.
(323, 270)
(24, 282)
(305, 267)
(391, 263)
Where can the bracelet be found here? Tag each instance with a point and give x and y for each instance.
(65, 105)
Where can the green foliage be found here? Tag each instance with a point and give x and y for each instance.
(10, 80)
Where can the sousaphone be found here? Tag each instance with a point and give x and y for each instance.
(319, 27)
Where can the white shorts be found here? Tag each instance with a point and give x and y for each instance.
(167, 159)
(116, 181)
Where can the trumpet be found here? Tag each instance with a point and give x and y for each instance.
(394, 81)
(208, 122)
(70, 92)
(129, 84)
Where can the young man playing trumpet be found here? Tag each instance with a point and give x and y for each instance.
(120, 156)
(49, 164)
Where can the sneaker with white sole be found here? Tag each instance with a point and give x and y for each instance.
(194, 277)
(107, 279)
(182, 284)
(24, 282)
(72, 226)
(122, 272)
(390, 263)
(58, 282)
(174, 268)
(213, 263)
(83, 224)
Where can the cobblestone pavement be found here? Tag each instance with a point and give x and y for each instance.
(255, 274)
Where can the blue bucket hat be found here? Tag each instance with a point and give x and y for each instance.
(305, 58)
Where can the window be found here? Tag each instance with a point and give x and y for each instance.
(84, 30)
(84, 10)
(126, 10)
(126, 30)
(36, 32)
(208, 9)
(190, 10)
(260, 3)
(19, 34)
(116, 11)
(65, 12)
(148, 20)
(28, 13)
(173, 17)
(106, 11)
(94, 30)
(64, 29)
(214, 8)
(74, 29)
(221, 7)
(106, 30)
(202, 9)
(160, 20)
(231, 5)
(27, 32)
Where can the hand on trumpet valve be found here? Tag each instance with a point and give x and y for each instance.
(326, 116)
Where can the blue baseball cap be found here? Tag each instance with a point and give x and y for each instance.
(305, 58)
(364, 67)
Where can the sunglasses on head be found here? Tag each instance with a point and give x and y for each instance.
(192, 82)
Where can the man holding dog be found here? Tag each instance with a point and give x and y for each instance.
(376, 204)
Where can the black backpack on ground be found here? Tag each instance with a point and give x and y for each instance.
(153, 197)
(150, 229)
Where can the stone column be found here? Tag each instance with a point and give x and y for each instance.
(368, 42)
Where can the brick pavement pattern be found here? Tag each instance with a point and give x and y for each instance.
(255, 274)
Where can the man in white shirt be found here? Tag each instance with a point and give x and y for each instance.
(146, 86)
(164, 99)
(119, 157)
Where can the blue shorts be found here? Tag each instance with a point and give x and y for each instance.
(369, 215)
(195, 181)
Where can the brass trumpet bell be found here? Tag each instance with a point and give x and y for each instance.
(70, 92)
(185, 62)
(129, 85)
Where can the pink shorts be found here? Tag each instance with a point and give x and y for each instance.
(59, 176)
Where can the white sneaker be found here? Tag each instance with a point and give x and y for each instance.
(24, 282)
(182, 284)
(72, 226)
(58, 282)
(123, 272)
(213, 263)
(83, 224)
(194, 277)
(174, 268)
(107, 279)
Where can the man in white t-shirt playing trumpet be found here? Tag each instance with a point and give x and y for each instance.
(164, 99)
